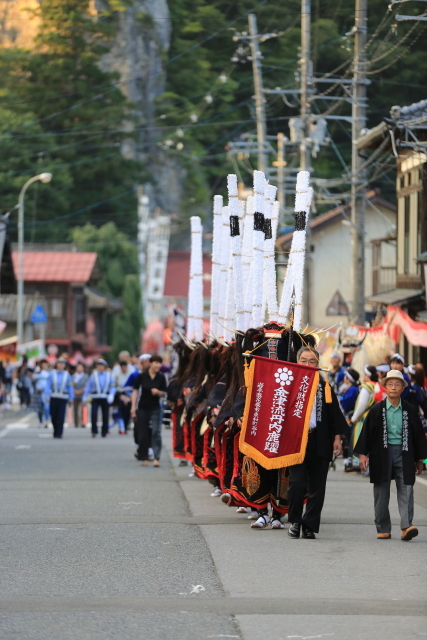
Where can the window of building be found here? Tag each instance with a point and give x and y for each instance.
(406, 235)
(80, 314)
(56, 307)
(337, 306)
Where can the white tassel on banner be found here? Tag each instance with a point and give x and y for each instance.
(195, 293)
(269, 278)
(258, 249)
(236, 254)
(225, 268)
(216, 264)
(295, 272)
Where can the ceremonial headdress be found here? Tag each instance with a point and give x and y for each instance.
(383, 367)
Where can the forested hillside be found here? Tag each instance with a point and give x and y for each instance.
(61, 113)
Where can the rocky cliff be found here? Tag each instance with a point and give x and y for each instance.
(138, 54)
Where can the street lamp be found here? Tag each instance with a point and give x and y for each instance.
(43, 177)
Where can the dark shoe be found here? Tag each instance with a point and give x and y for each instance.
(294, 530)
(409, 533)
(308, 533)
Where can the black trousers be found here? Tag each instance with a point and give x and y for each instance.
(58, 407)
(149, 432)
(310, 477)
(105, 408)
(125, 409)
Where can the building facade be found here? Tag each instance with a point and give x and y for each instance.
(63, 282)
(329, 248)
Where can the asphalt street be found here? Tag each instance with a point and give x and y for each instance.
(93, 546)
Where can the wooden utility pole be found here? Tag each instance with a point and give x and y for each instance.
(259, 95)
(280, 163)
(305, 83)
(358, 201)
(304, 165)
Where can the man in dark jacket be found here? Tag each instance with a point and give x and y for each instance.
(327, 426)
(394, 440)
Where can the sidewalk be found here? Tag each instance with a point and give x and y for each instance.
(346, 584)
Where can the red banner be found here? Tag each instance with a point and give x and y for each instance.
(279, 401)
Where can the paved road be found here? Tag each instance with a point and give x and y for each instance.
(93, 546)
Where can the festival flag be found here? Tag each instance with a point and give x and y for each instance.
(279, 402)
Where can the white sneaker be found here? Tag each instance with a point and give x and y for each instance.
(253, 515)
(216, 493)
(261, 523)
(241, 510)
(277, 524)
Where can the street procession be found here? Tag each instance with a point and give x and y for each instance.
(208, 334)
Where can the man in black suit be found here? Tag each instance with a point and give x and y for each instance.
(327, 426)
(393, 438)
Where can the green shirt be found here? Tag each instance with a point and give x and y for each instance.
(394, 422)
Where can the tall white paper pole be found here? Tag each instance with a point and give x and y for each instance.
(216, 264)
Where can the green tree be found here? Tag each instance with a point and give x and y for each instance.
(81, 120)
(118, 268)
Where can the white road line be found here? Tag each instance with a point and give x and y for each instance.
(22, 423)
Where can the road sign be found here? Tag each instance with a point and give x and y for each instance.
(38, 315)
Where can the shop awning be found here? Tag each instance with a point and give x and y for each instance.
(99, 300)
(396, 297)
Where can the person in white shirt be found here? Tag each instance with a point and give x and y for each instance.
(79, 382)
(40, 380)
(124, 356)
